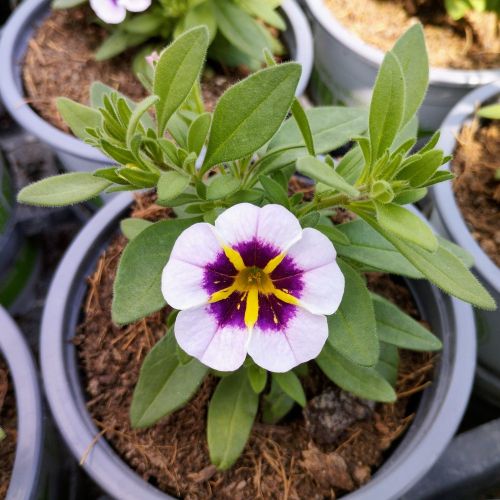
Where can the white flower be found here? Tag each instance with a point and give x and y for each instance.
(114, 11)
(257, 284)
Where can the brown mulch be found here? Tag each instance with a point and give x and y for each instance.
(477, 185)
(59, 62)
(8, 422)
(279, 461)
(470, 43)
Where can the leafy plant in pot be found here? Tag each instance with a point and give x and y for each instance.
(252, 272)
(20, 415)
(347, 37)
(470, 219)
(74, 155)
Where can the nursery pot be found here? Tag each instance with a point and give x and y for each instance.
(448, 217)
(19, 258)
(439, 412)
(73, 153)
(345, 68)
(27, 464)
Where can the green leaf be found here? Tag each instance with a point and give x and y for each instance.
(221, 186)
(387, 106)
(198, 132)
(249, 113)
(137, 288)
(418, 172)
(351, 165)
(370, 248)
(492, 112)
(406, 225)
(412, 55)
(202, 14)
(321, 172)
(331, 127)
(170, 185)
(274, 191)
(409, 196)
(66, 4)
(361, 381)
(240, 29)
(441, 268)
(61, 190)
(262, 10)
(304, 126)
(291, 386)
(334, 234)
(177, 71)
(118, 42)
(231, 414)
(352, 330)
(78, 117)
(466, 257)
(257, 377)
(397, 328)
(164, 384)
(137, 114)
(388, 363)
(133, 226)
(276, 404)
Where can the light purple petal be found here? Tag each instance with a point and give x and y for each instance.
(272, 224)
(322, 278)
(301, 341)
(109, 11)
(135, 5)
(198, 333)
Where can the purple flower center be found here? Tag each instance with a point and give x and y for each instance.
(273, 312)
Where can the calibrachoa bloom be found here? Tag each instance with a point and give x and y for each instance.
(114, 11)
(257, 284)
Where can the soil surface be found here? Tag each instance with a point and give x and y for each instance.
(8, 423)
(299, 458)
(59, 62)
(477, 185)
(471, 43)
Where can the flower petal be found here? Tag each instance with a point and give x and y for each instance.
(322, 278)
(302, 340)
(182, 277)
(198, 333)
(271, 224)
(135, 5)
(109, 11)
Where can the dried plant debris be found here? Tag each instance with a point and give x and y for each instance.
(477, 185)
(8, 424)
(289, 460)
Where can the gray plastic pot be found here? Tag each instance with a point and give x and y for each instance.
(345, 68)
(28, 460)
(74, 154)
(438, 414)
(448, 217)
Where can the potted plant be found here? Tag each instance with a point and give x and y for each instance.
(75, 155)
(20, 415)
(258, 290)
(465, 219)
(19, 258)
(348, 52)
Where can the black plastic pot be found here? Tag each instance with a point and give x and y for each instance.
(28, 460)
(437, 418)
(448, 218)
(19, 258)
(74, 154)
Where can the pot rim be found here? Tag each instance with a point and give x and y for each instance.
(442, 194)
(439, 413)
(17, 32)
(373, 56)
(27, 462)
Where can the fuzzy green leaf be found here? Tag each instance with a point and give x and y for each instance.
(164, 384)
(291, 386)
(397, 328)
(274, 191)
(276, 404)
(198, 132)
(132, 226)
(170, 185)
(352, 329)
(61, 190)
(359, 380)
(177, 71)
(137, 288)
(388, 363)
(78, 117)
(492, 112)
(250, 113)
(141, 109)
(231, 414)
(221, 186)
(257, 377)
